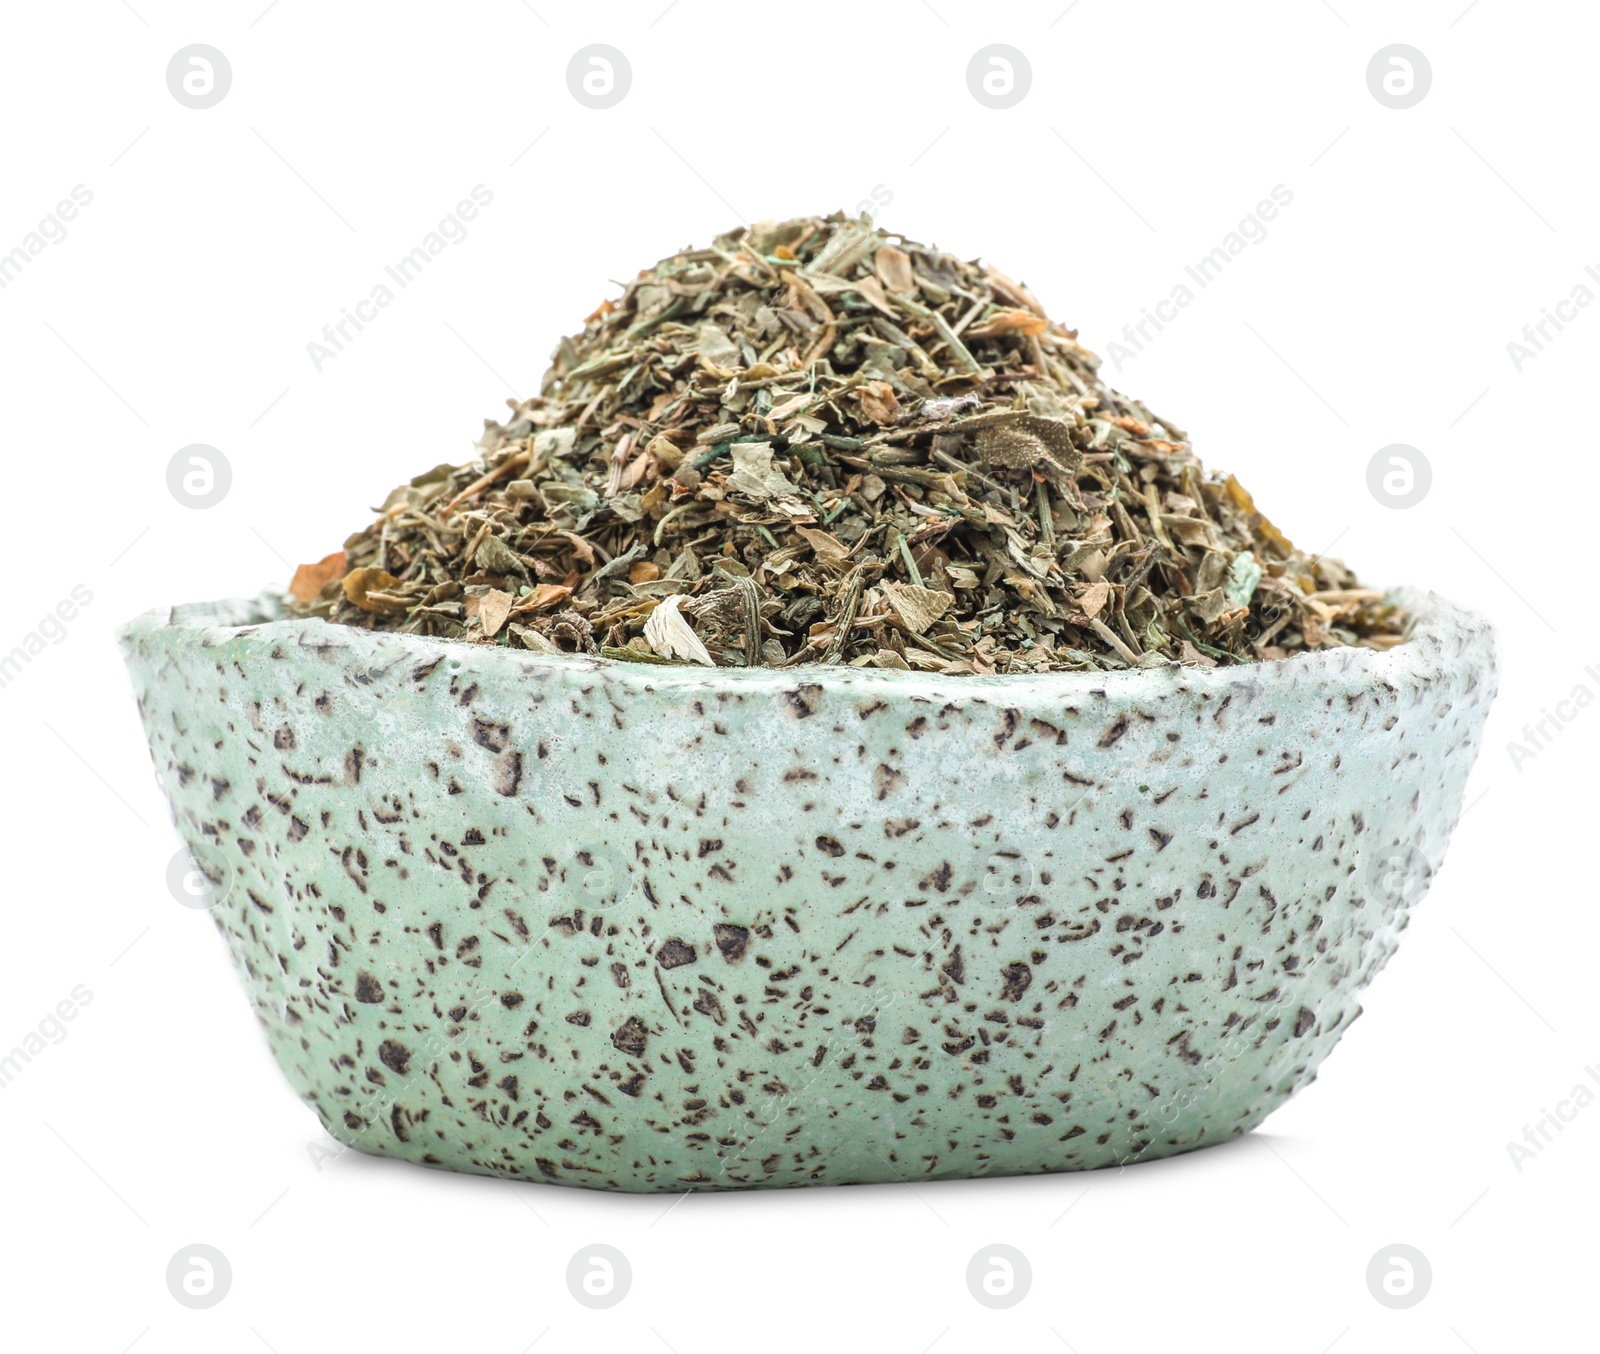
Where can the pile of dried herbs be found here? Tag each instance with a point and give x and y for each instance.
(814, 442)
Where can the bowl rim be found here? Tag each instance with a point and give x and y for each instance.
(1441, 636)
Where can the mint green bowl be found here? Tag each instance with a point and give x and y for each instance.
(657, 929)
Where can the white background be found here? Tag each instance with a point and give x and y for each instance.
(1377, 310)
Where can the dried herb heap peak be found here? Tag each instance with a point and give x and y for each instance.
(815, 442)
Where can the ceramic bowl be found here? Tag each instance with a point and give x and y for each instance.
(662, 928)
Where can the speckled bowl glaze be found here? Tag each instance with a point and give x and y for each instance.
(661, 928)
